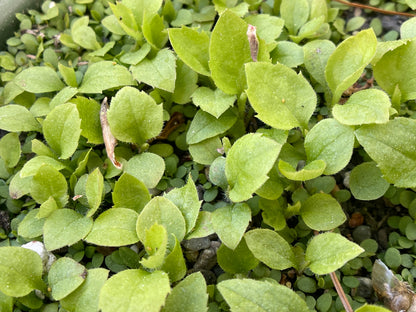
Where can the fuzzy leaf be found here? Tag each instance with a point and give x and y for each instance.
(281, 98)
(175, 264)
(214, 102)
(146, 167)
(366, 182)
(32, 166)
(247, 164)
(328, 252)
(155, 244)
(134, 116)
(316, 55)
(10, 149)
(16, 118)
(89, 112)
(348, 61)
(39, 79)
(129, 192)
(295, 13)
(94, 191)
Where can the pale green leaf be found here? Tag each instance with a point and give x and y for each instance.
(248, 161)
(105, 75)
(322, 212)
(206, 152)
(62, 96)
(94, 191)
(312, 170)
(187, 200)
(203, 226)
(175, 264)
(20, 271)
(397, 68)
(129, 192)
(159, 72)
(295, 13)
(85, 297)
(331, 142)
(65, 275)
(239, 260)
(316, 54)
(366, 182)
(247, 295)
(32, 166)
(391, 146)
(85, 36)
(371, 308)
(154, 31)
(134, 291)
(328, 252)
(347, 62)
(49, 182)
(270, 248)
(134, 57)
(408, 28)
(196, 299)
(134, 116)
(68, 75)
(10, 149)
(364, 107)
(229, 50)
(62, 129)
(287, 53)
(214, 102)
(31, 226)
(162, 211)
(281, 98)
(114, 227)
(146, 167)
(191, 47)
(65, 227)
(268, 27)
(16, 118)
(19, 186)
(89, 112)
(205, 126)
(39, 79)
(230, 223)
(155, 244)
(185, 83)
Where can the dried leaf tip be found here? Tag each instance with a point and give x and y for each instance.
(109, 140)
(253, 41)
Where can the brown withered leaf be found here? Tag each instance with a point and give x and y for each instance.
(253, 41)
(109, 140)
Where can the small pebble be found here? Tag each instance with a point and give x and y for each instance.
(361, 233)
(197, 243)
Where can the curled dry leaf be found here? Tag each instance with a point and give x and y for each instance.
(109, 140)
(396, 295)
(253, 41)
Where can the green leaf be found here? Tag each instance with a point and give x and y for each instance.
(205, 152)
(129, 192)
(366, 182)
(203, 226)
(268, 27)
(31, 226)
(83, 35)
(49, 182)
(371, 308)
(273, 213)
(62, 128)
(191, 47)
(19, 186)
(142, 7)
(311, 171)
(348, 61)
(134, 116)
(270, 248)
(247, 295)
(68, 75)
(89, 112)
(94, 191)
(391, 146)
(155, 244)
(175, 264)
(146, 167)
(281, 98)
(134, 290)
(396, 68)
(328, 252)
(331, 142)
(114, 227)
(39, 79)
(214, 102)
(105, 75)
(16, 118)
(63, 96)
(187, 200)
(295, 13)
(20, 271)
(316, 55)
(196, 299)
(134, 57)
(322, 212)
(230, 223)
(312, 29)
(159, 72)
(407, 29)
(65, 276)
(47, 208)
(10, 149)
(6, 303)
(185, 84)
(247, 164)
(31, 167)
(287, 53)
(205, 126)
(364, 107)
(229, 45)
(85, 297)
(239, 260)
(154, 30)
(65, 227)
(162, 211)
(126, 19)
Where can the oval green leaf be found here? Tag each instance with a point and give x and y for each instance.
(322, 212)
(316, 55)
(366, 182)
(270, 248)
(130, 192)
(331, 142)
(239, 260)
(32, 166)
(114, 227)
(311, 171)
(16, 118)
(328, 252)
(134, 116)
(89, 112)
(39, 79)
(10, 149)
(155, 244)
(146, 167)
(281, 98)
(215, 102)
